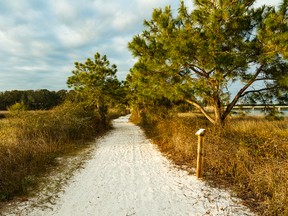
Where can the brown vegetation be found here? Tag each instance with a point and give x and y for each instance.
(30, 142)
(248, 155)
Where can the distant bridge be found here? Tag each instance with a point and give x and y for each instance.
(261, 107)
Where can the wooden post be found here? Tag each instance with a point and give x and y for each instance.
(200, 153)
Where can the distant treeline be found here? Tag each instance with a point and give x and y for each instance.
(42, 99)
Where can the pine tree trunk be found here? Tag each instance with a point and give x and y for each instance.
(103, 115)
(219, 120)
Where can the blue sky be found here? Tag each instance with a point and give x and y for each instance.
(41, 39)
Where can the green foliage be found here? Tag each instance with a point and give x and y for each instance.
(42, 99)
(197, 56)
(273, 115)
(96, 81)
(274, 30)
(17, 107)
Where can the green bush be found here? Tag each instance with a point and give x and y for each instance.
(17, 108)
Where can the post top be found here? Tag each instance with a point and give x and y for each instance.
(200, 132)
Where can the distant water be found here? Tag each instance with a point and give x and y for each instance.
(259, 112)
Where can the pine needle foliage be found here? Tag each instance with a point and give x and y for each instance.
(198, 56)
(97, 82)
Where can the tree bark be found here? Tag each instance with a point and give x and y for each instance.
(103, 115)
(218, 116)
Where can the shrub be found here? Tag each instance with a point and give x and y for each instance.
(17, 108)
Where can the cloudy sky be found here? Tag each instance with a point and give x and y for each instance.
(41, 39)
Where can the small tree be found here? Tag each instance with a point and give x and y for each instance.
(96, 80)
(199, 56)
(17, 108)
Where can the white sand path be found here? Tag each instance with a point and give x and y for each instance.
(127, 175)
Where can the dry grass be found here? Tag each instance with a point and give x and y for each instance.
(248, 155)
(30, 142)
(3, 114)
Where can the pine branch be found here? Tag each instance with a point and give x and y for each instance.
(198, 70)
(240, 93)
(230, 71)
(198, 106)
(258, 90)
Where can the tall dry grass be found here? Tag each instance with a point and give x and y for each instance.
(248, 155)
(30, 142)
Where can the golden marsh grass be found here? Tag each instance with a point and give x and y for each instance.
(249, 155)
(30, 142)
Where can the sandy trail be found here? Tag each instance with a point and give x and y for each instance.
(128, 176)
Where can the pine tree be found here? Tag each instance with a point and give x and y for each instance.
(96, 80)
(198, 56)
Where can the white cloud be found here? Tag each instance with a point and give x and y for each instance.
(41, 40)
(123, 20)
(63, 10)
(69, 37)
